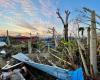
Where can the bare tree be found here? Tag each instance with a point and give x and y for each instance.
(65, 23)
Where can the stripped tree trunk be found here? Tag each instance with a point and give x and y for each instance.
(54, 37)
(88, 39)
(66, 32)
(88, 48)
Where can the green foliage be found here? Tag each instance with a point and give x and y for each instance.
(40, 44)
(70, 43)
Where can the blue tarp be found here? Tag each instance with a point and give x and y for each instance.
(59, 73)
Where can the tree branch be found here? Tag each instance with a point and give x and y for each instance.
(67, 15)
(60, 16)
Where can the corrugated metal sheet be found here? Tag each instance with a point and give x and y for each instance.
(59, 73)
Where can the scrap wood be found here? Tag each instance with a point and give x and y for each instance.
(50, 61)
(83, 60)
(71, 64)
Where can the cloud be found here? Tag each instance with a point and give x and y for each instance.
(47, 8)
(26, 25)
(19, 16)
(27, 7)
(9, 10)
(11, 6)
(8, 4)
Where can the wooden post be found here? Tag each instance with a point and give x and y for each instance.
(30, 45)
(83, 60)
(54, 37)
(8, 41)
(48, 47)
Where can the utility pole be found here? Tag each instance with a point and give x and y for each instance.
(93, 38)
(8, 40)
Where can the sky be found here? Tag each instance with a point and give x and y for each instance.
(36, 16)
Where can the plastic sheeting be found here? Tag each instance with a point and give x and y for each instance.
(59, 73)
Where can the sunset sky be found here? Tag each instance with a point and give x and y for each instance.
(24, 16)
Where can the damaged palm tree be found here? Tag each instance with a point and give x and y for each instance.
(65, 23)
